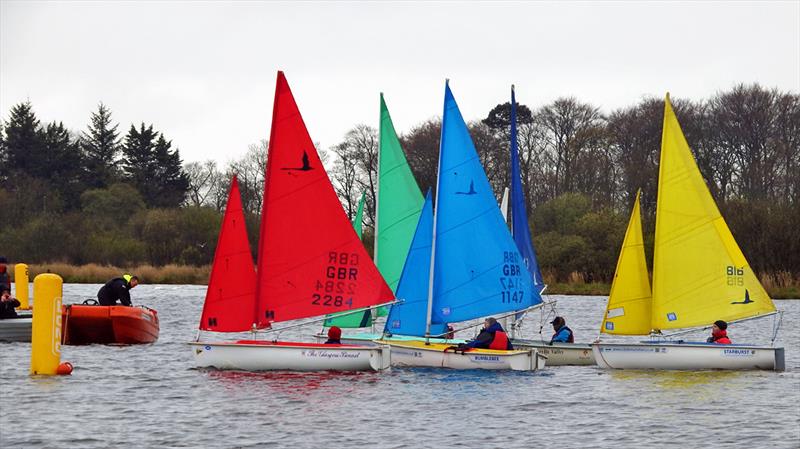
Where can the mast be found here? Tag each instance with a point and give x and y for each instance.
(378, 188)
(262, 228)
(435, 215)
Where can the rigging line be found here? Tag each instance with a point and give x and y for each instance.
(777, 327)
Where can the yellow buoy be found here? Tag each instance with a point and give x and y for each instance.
(46, 332)
(21, 285)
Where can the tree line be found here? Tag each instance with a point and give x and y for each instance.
(99, 196)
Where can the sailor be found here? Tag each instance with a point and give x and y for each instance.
(492, 336)
(117, 289)
(562, 334)
(719, 333)
(7, 305)
(334, 336)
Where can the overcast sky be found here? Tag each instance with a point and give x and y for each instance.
(204, 73)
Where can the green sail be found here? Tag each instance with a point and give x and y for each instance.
(399, 204)
(357, 221)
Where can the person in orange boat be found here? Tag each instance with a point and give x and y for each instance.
(719, 333)
(117, 289)
(8, 304)
(334, 336)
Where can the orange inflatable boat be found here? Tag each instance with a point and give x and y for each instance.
(87, 324)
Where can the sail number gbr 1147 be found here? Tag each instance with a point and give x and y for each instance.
(512, 290)
(338, 286)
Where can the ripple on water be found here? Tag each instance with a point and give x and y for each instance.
(152, 396)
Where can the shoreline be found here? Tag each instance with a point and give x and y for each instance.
(194, 275)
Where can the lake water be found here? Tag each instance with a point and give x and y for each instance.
(151, 396)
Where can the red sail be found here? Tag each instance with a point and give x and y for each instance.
(310, 260)
(231, 294)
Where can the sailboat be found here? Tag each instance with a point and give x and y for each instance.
(310, 263)
(699, 276)
(557, 353)
(474, 268)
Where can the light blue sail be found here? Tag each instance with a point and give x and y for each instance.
(409, 316)
(478, 270)
(519, 214)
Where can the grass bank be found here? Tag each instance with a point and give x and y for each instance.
(99, 274)
(781, 285)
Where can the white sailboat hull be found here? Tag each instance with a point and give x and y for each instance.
(268, 356)
(559, 354)
(687, 356)
(417, 354)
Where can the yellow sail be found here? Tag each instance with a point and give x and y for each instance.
(699, 273)
(629, 304)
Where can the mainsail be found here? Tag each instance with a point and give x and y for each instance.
(699, 272)
(519, 214)
(477, 266)
(630, 301)
(231, 294)
(310, 260)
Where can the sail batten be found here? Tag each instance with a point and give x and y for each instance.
(699, 272)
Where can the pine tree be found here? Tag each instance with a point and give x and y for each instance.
(173, 183)
(65, 163)
(138, 162)
(101, 145)
(25, 153)
(153, 169)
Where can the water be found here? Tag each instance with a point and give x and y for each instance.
(151, 396)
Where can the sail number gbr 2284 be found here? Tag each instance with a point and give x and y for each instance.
(339, 284)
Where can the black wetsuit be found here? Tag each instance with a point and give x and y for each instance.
(115, 289)
(7, 309)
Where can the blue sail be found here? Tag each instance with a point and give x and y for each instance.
(519, 214)
(409, 316)
(478, 270)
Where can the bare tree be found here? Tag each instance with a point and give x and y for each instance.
(204, 180)
(251, 171)
(570, 128)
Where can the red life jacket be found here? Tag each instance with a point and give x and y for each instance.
(500, 341)
(721, 337)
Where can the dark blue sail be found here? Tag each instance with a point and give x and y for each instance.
(519, 214)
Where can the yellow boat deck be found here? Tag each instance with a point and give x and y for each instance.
(440, 347)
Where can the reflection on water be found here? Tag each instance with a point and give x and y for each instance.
(293, 383)
(152, 396)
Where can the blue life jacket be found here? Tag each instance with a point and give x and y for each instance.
(563, 335)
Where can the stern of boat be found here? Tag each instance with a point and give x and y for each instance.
(380, 358)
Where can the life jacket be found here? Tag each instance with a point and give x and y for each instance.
(721, 337)
(570, 336)
(500, 341)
